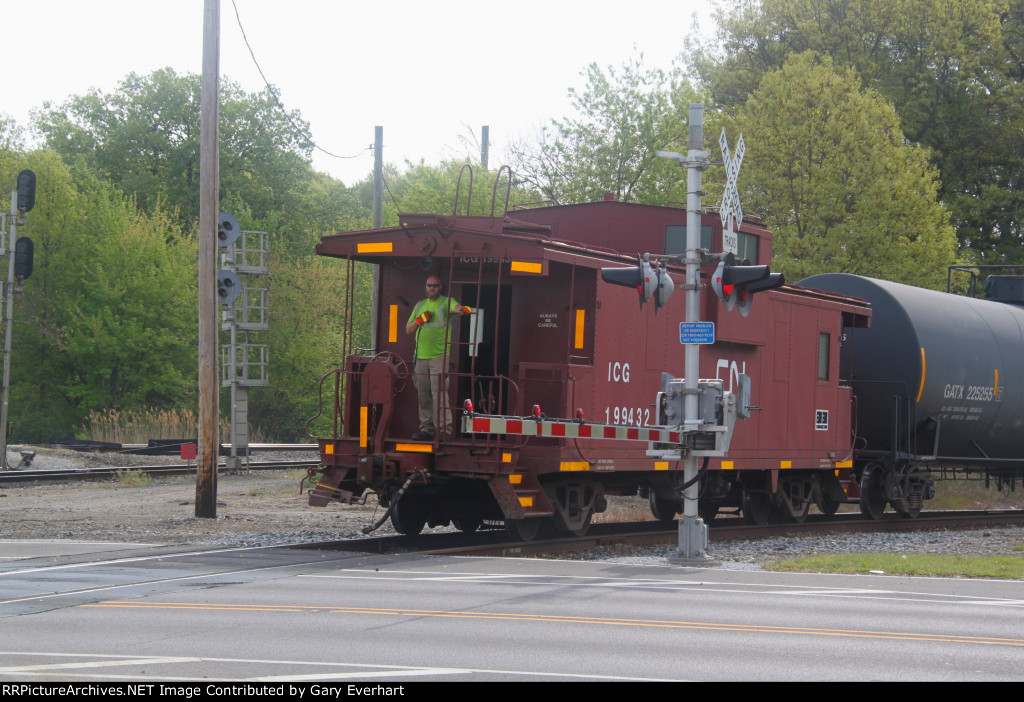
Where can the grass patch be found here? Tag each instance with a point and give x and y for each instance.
(1005, 567)
(131, 477)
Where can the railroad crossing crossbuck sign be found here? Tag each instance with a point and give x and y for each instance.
(731, 210)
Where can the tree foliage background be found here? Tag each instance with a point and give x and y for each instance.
(840, 187)
(885, 139)
(953, 70)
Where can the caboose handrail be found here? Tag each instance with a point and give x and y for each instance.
(458, 190)
(508, 190)
(338, 390)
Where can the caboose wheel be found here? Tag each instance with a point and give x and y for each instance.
(757, 507)
(467, 525)
(707, 511)
(801, 516)
(872, 493)
(523, 529)
(407, 517)
(583, 528)
(828, 506)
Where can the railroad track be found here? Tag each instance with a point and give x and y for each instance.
(25, 476)
(495, 542)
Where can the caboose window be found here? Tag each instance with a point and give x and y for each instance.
(823, 348)
(747, 247)
(675, 238)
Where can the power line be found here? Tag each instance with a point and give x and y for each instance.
(273, 92)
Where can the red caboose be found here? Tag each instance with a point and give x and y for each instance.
(547, 331)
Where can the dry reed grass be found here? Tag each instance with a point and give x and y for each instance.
(139, 426)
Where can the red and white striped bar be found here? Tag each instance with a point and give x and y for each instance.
(479, 424)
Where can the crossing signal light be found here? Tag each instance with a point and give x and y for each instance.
(735, 285)
(640, 277)
(666, 286)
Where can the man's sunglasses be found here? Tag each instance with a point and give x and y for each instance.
(433, 285)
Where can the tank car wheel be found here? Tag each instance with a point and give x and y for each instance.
(662, 509)
(523, 529)
(911, 512)
(757, 507)
(872, 492)
(407, 517)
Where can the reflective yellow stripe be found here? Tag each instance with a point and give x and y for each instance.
(393, 323)
(506, 458)
(414, 448)
(727, 465)
(515, 479)
(364, 414)
(844, 464)
(995, 390)
(924, 366)
(567, 466)
(661, 465)
(785, 464)
(382, 247)
(329, 449)
(526, 501)
(524, 267)
(581, 316)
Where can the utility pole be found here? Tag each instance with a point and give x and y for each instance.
(378, 177)
(378, 222)
(209, 210)
(485, 137)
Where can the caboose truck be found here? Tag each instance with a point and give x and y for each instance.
(547, 330)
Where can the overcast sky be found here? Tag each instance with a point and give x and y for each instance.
(430, 72)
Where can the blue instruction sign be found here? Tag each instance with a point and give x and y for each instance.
(696, 332)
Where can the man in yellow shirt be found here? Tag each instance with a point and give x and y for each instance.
(429, 322)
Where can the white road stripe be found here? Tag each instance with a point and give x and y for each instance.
(353, 670)
(15, 670)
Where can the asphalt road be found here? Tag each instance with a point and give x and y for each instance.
(95, 612)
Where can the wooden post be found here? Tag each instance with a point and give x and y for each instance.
(209, 209)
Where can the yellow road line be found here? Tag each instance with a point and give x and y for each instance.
(655, 623)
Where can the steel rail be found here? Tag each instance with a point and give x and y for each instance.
(495, 543)
(25, 476)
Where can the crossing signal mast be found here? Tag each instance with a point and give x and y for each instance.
(695, 416)
(701, 409)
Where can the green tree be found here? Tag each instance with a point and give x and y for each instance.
(952, 69)
(106, 320)
(837, 182)
(12, 136)
(144, 139)
(624, 116)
